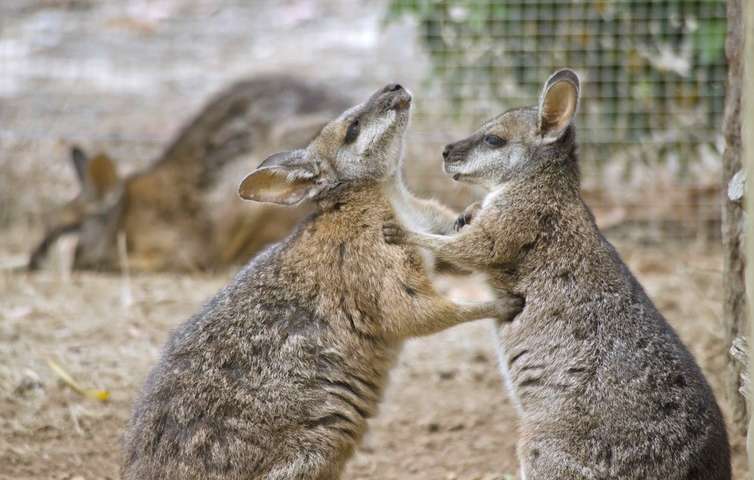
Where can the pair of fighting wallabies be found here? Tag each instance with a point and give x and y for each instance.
(276, 376)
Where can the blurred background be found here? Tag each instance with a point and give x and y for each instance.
(125, 78)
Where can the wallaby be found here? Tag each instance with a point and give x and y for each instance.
(161, 210)
(603, 385)
(277, 375)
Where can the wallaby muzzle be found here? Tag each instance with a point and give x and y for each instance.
(391, 97)
(456, 153)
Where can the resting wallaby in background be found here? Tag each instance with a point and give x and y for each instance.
(276, 376)
(161, 210)
(604, 387)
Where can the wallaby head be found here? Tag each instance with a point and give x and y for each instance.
(94, 213)
(103, 197)
(521, 140)
(362, 146)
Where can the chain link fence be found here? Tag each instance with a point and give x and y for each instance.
(654, 70)
(653, 88)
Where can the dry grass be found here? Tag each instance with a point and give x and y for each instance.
(445, 415)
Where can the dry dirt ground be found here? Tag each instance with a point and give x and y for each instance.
(123, 76)
(445, 415)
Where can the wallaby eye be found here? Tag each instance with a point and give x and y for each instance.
(352, 132)
(494, 141)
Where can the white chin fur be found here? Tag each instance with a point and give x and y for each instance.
(375, 130)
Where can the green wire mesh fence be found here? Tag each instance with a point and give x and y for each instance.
(654, 70)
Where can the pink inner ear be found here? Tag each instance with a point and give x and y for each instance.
(101, 175)
(558, 107)
(273, 186)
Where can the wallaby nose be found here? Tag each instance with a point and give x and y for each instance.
(393, 87)
(446, 151)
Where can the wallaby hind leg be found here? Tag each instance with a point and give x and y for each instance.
(544, 462)
(552, 471)
(307, 466)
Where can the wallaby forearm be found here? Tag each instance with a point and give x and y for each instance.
(439, 218)
(421, 214)
(452, 248)
(432, 314)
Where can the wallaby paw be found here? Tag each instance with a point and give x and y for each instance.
(461, 222)
(393, 233)
(467, 216)
(508, 307)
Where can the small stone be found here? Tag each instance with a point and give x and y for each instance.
(28, 383)
(457, 427)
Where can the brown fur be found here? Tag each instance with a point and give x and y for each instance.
(604, 387)
(276, 376)
(161, 211)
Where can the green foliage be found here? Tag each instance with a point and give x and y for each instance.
(709, 41)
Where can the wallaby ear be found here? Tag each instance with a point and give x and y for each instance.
(558, 102)
(285, 178)
(79, 161)
(101, 175)
(97, 176)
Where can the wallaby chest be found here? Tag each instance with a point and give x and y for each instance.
(343, 257)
